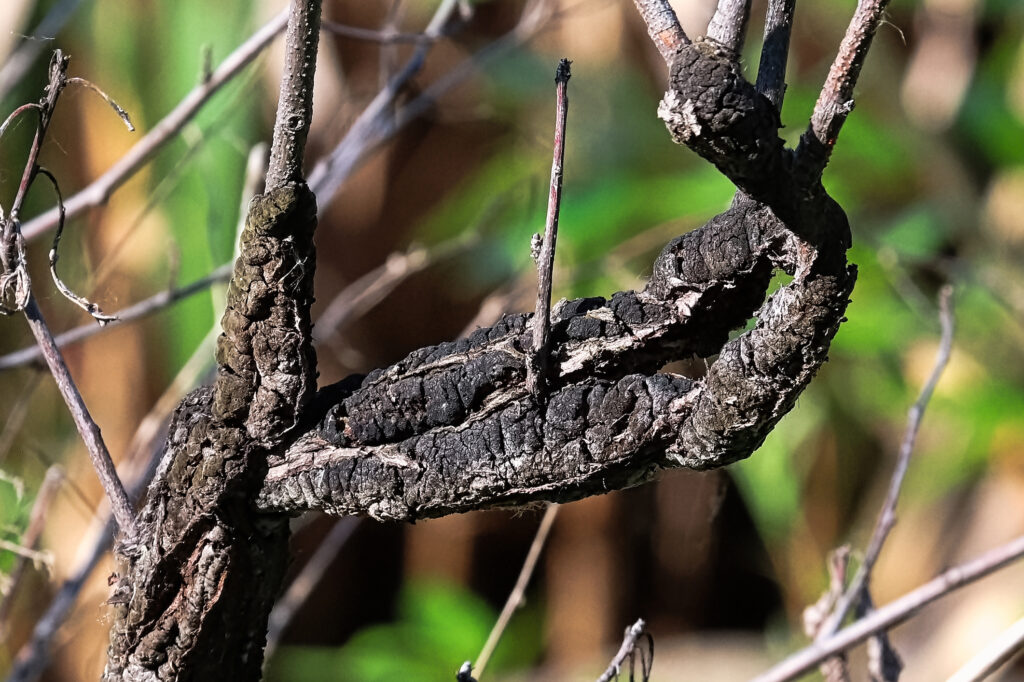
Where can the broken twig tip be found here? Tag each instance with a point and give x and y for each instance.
(563, 73)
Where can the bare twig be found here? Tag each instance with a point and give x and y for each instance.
(518, 593)
(662, 26)
(121, 113)
(836, 668)
(30, 539)
(895, 612)
(149, 306)
(536, 369)
(836, 99)
(385, 37)
(101, 189)
(729, 24)
(771, 72)
(627, 650)
(996, 654)
(295, 102)
(887, 515)
(308, 578)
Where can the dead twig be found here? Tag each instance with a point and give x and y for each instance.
(539, 360)
(728, 25)
(629, 649)
(771, 71)
(895, 612)
(662, 26)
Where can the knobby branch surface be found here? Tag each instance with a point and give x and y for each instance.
(195, 592)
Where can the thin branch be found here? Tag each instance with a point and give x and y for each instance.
(295, 102)
(101, 189)
(536, 370)
(771, 72)
(895, 612)
(144, 308)
(662, 26)
(309, 577)
(372, 36)
(627, 650)
(995, 655)
(728, 25)
(836, 99)
(518, 593)
(121, 113)
(887, 516)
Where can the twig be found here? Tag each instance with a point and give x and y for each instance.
(28, 553)
(728, 25)
(771, 72)
(997, 653)
(627, 649)
(539, 360)
(309, 577)
(836, 99)
(30, 539)
(835, 669)
(149, 306)
(518, 593)
(16, 417)
(101, 189)
(887, 515)
(372, 36)
(295, 102)
(895, 612)
(662, 26)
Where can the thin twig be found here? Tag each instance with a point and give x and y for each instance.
(627, 649)
(662, 26)
(996, 654)
(295, 101)
(895, 612)
(518, 593)
(372, 36)
(121, 113)
(101, 189)
(309, 577)
(144, 308)
(728, 25)
(539, 361)
(771, 72)
(887, 515)
(836, 99)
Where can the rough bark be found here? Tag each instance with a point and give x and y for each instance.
(452, 428)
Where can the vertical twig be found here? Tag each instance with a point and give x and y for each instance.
(295, 104)
(539, 360)
(627, 649)
(728, 25)
(515, 597)
(771, 72)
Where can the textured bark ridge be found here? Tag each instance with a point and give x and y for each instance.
(452, 427)
(196, 588)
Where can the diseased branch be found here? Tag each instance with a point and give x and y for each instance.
(771, 72)
(101, 189)
(836, 99)
(662, 26)
(729, 24)
(895, 612)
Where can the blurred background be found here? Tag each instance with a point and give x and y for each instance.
(429, 235)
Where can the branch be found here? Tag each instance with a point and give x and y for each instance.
(729, 24)
(627, 650)
(836, 99)
(662, 26)
(771, 72)
(101, 189)
(895, 612)
(996, 654)
(143, 308)
(887, 515)
(538, 367)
